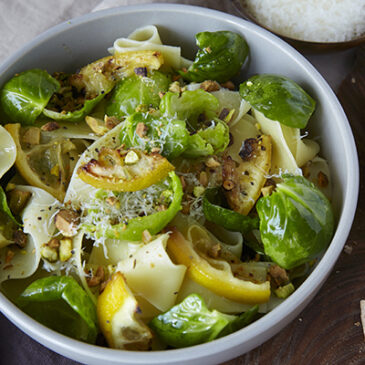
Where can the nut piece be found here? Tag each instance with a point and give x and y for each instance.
(20, 238)
(97, 278)
(66, 221)
(215, 251)
(18, 199)
(141, 130)
(131, 158)
(228, 185)
(279, 275)
(322, 179)
(203, 178)
(50, 126)
(228, 85)
(49, 253)
(65, 249)
(267, 190)
(175, 87)
(146, 236)
(110, 122)
(212, 162)
(96, 125)
(210, 85)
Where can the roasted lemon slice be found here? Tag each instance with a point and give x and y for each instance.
(214, 274)
(116, 309)
(44, 163)
(101, 75)
(124, 170)
(244, 183)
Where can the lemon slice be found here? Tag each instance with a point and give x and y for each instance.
(250, 175)
(45, 163)
(130, 170)
(101, 75)
(219, 280)
(116, 309)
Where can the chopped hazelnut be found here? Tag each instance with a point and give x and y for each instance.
(210, 85)
(322, 179)
(228, 184)
(96, 279)
(66, 221)
(50, 126)
(20, 238)
(146, 236)
(203, 178)
(212, 162)
(279, 275)
(54, 243)
(141, 129)
(175, 87)
(110, 122)
(267, 190)
(96, 125)
(215, 251)
(228, 85)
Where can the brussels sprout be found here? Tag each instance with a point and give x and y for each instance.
(220, 57)
(149, 131)
(227, 218)
(24, 97)
(296, 222)
(191, 323)
(191, 106)
(135, 91)
(77, 115)
(211, 140)
(279, 99)
(60, 303)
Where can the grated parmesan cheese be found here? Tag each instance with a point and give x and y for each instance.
(311, 20)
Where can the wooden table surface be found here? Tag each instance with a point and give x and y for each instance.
(328, 331)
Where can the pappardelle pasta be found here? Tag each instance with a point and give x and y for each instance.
(149, 202)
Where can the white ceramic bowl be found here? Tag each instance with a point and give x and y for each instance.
(77, 42)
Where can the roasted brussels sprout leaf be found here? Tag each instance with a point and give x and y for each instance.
(191, 323)
(208, 141)
(24, 97)
(296, 222)
(279, 99)
(5, 208)
(220, 57)
(227, 218)
(45, 299)
(193, 106)
(154, 223)
(136, 91)
(168, 136)
(77, 115)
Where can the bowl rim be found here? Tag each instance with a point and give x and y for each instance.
(76, 349)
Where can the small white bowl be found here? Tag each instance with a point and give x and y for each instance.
(75, 43)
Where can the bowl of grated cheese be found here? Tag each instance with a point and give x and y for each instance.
(310, 25)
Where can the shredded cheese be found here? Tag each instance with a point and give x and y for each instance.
(311, 20)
